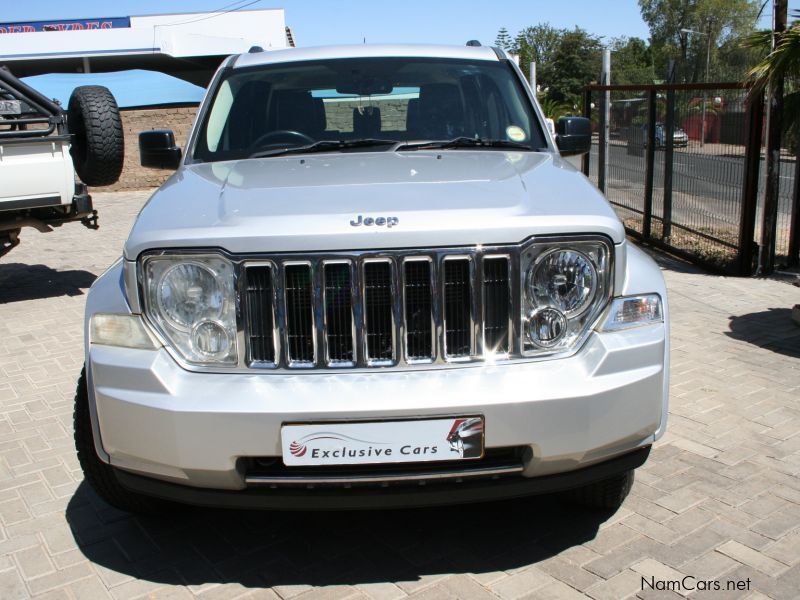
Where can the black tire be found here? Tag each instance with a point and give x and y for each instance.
(98, 145)
(98, 474)
(608, 493)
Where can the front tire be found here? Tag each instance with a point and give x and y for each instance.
(98, 474)
(608, 493)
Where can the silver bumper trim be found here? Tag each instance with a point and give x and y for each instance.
(494, 471)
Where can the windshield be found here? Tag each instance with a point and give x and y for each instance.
(366, 104)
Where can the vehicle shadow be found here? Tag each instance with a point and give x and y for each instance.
(19, 281)
(257, 549)
(771, 329)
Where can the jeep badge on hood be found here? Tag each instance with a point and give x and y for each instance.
(379, 221)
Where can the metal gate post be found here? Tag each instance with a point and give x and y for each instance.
(794, 221)
(669, 143)
(752, 164)
(601, 146)
(650, 159)
(587, 112)
(769, 223)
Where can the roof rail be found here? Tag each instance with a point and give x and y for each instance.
(473, 43)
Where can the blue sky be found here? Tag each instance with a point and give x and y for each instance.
(318, 22)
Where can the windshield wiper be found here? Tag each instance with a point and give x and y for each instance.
(463, 142)
(323, 146)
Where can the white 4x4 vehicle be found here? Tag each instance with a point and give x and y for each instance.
(42, 148)
(373, 280)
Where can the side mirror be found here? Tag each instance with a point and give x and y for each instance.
(574, 135)
(157, 149)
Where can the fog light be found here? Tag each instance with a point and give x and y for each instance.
(210, 338)
(547, 326)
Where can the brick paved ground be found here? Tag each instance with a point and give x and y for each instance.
(718, 499)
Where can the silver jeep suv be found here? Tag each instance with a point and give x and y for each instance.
(372, 280)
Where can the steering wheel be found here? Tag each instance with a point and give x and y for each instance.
(280, 136)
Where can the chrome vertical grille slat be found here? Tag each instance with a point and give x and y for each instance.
(298, 288)
(496, 304)
(458, 321)
(379, 341)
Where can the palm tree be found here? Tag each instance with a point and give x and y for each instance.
(553, 109)
(782, 62)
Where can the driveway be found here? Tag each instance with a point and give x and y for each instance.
(718, 501)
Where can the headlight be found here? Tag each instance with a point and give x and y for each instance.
(564, 279)
(566, 286)
(190, 301)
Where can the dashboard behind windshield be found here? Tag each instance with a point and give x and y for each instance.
(258, 109)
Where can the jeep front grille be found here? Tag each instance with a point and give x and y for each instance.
(380, 309)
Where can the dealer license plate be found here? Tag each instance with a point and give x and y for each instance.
(382, 442)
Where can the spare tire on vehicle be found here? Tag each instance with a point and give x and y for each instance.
(98, 145)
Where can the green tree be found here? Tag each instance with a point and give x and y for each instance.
(503, 39)
(780, 63)
(553, 109)
(631, 61)
(566, 60)
(536, 44)
(714, 21)
(575, 62)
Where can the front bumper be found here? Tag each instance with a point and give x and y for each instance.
(157, 419)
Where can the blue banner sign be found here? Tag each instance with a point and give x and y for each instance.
(65, 25)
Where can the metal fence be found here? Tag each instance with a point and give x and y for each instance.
(683, 168)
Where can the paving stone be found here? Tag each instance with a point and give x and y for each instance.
(786, 550)
(381, 591)
(34, 561)
(655, 571)
(752, 558)
(521, 584)
(625, 584)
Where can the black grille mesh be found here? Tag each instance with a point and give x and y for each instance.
(457, 303)
(299, 313)
(495, 304)
(258, 314)
(378, 310)
(338, 313)
(418, 306)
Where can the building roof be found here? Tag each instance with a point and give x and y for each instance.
(189, 46)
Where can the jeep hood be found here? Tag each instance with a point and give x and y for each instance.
(307, 202)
